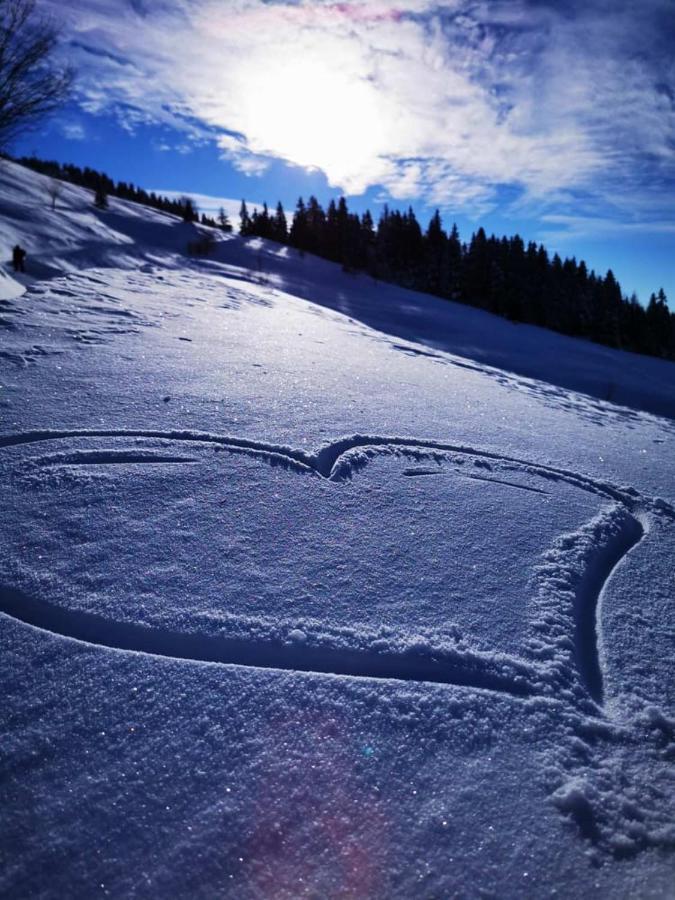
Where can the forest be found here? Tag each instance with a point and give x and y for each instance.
(502, 275)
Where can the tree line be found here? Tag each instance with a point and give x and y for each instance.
(519, 281)
(501, 275)
(103, 186)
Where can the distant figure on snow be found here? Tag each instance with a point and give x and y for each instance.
(19, 259)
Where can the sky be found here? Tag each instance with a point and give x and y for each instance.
(555, 120)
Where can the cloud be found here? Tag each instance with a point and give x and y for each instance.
(206, 203)
(237, 151)
(444, 102)
(561, 228)
(74, 131)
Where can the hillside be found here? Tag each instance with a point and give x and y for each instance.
(77, 236)
(316, 587)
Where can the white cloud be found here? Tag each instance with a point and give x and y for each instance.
(442, 101)
(206, 203)
(561, 228)
(73, 131)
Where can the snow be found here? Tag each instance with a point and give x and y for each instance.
(315, 587)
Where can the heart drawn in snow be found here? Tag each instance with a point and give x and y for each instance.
(372, 557)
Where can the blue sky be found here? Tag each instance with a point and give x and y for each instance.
(552, 119)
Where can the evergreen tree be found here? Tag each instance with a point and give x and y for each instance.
(262, 223)
(299, 227)
(476, 272)
(330, 237)
(280, 225)
(316, 221)
(223, 221)
(101, 197)
(189, 210)
(244, 220)
(455, 264)
(436, 257)
(344, 232)
(659, 326)
(366, 242)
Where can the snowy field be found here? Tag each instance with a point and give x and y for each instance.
(313, 587)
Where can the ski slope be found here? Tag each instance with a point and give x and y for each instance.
(315, 587)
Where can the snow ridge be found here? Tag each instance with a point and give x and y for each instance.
(470, 669)
(340, 459)
(571, 581)
(562, 656)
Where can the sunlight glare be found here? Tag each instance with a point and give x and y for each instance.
(315, 114)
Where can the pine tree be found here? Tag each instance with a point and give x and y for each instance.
(189, 210)
(330, 245)
(244, 220)
(101, 198)
(316, 220)
(280, 225)
(362, 241)
(344, 232)
(223, 221)
(476, 272)
(299, 227)
(436, 257)
(261, 224)
(455, 262)
(659, 324)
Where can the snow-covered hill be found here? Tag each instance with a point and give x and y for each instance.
(76, 236)
(301, 595)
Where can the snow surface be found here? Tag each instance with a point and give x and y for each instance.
(303, 596)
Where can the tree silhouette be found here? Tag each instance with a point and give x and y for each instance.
(500, 275)
(32, 85)
(280, 225)
(244, 220)
(223, 221)
(101, 198)
(189, 210)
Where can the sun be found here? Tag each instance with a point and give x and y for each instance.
(316, 113)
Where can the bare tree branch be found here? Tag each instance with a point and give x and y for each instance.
(31, 84)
